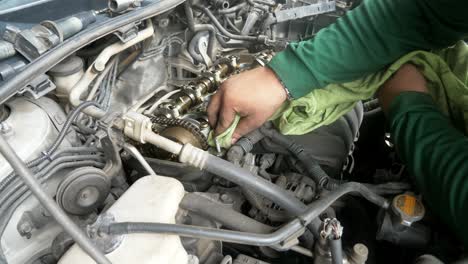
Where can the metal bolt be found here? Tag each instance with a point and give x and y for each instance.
(5, 128)
(225, 198)
(163, 22)
(204, 124)
(25, 227)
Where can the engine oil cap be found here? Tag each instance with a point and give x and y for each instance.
(408, 207)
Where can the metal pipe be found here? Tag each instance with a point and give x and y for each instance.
(317, 207)
(246, 238)
(67, 224)
(137, 155)
(98, 30)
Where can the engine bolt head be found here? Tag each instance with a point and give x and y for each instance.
(5, 128)
(225, 198)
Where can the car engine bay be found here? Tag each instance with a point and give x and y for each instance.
(105, 104)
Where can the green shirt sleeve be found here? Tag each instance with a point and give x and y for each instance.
(436, 155)
(368, 38)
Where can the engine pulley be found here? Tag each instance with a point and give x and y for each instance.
(83, 190)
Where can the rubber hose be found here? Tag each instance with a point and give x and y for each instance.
(244, 145)
(254, 239)
(244, 178)
(336, 250)
(312, 167)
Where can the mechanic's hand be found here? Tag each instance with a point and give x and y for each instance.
(407, 78)
(255, 95)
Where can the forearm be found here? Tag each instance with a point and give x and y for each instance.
(367, 39)
(436, 155)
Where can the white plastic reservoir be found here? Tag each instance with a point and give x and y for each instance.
(153, 199)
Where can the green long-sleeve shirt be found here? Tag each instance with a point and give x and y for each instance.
(366, 40)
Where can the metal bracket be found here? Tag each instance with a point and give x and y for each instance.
(39, 87)
(127, 32)
(32, 43)
(106, 243)
(304, 11)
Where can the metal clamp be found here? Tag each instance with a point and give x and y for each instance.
(136, 125)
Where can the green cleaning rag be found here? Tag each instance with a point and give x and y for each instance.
(446, 72)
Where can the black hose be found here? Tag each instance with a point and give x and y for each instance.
(312, 167)
(336, 250)
(95, 31)
(243, 146)
(222, 214)
(244, 178)
(246, 238)
(257, 184)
